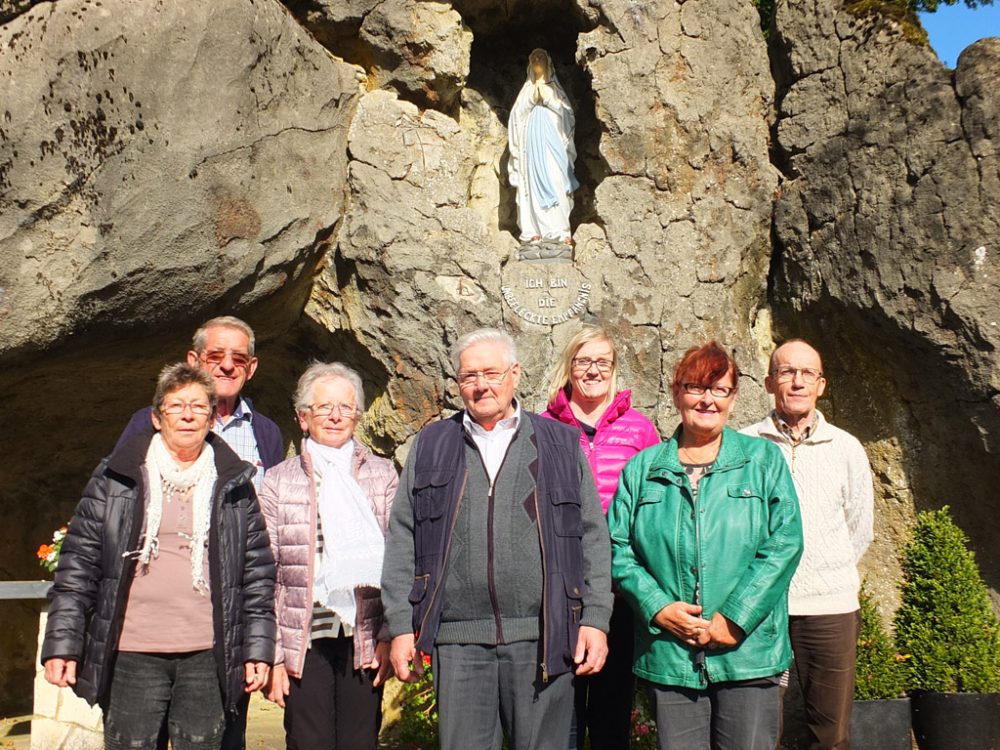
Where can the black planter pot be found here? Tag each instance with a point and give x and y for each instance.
(881, 725)
(956, 721)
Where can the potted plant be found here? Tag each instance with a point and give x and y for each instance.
(947, 627)
(881, 715)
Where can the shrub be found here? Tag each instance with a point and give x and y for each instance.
(418, 723)
(945, 623)
(880, 673)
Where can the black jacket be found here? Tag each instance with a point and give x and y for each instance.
(87, 600)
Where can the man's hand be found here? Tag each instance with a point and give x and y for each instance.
(380, 663)
(255, 675)
(60, 672)
(591, 650)
(721, 633)
(402, 655)
(277, 685)
(681, 620)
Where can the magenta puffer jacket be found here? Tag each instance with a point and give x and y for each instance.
(288, 500)
(621, 433)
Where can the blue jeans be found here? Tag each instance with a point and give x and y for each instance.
(725, 716)
(178, 690)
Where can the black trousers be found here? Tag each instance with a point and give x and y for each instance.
(333, 706)
(604, 700)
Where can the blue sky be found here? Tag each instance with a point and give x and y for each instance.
(952, 28)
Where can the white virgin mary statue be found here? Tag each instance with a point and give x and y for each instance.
(540, 135)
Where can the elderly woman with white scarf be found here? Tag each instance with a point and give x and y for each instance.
(327, 513)
(162, 608)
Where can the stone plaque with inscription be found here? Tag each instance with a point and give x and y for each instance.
(545, 293)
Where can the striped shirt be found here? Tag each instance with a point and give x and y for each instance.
(325, 622)
(238, 434)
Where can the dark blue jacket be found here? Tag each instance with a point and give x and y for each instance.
(438, 488)
(270, 445)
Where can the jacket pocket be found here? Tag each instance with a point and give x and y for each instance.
(419, 589)
(430, 490)
(567, 516)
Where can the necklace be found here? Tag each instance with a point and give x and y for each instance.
(684, 454)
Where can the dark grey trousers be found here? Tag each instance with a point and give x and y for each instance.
(725, 716)
(486, 692)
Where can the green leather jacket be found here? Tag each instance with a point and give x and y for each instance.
(741, 543)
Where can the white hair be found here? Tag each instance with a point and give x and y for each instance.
(484, 336)
(200, 340)
(318, 371)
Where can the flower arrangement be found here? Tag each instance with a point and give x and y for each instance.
(48, 554)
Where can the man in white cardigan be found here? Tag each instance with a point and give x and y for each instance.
(834, 483)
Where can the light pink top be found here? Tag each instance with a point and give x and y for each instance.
(164, 613)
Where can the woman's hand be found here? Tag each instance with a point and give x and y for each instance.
(681, 620)
(277, 686)
(721, 633)
(255, 675)
(380, 663)
(60, 672)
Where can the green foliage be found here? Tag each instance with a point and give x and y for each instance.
(765, 8)
(418, 723)
(946, 623)
(900, 11)
(880, 673)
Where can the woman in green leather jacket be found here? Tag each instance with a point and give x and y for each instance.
(706, 535)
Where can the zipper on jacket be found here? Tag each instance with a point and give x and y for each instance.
(490, 547)
(447, 554)
(699, 655)
(545, 615)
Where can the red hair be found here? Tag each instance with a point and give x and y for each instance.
(705, 365)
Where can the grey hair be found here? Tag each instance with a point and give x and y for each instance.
(200, 339)
(318, 371)
(178, 375)
(484, 336)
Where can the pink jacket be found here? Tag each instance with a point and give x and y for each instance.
(621, 433)
(288, 500)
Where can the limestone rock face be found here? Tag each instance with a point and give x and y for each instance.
(672, 246)
(888, 228)
(682, 92)
(160, 159)
(419, 49)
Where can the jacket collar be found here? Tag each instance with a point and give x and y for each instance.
(667, 464)
(560, 408)
(129, 459)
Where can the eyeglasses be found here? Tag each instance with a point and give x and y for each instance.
(215, 358)
(719, 391)
(347, 411)
(492, 378)
(198, 409)
(582, 364)
(810, 376)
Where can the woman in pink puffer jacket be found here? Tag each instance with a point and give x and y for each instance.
(327, 513)
(583, 394)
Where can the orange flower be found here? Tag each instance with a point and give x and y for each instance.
(44, 551)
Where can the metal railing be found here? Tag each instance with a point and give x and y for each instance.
(24, 589)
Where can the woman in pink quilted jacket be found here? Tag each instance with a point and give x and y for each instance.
(583, 393)
(327, 513)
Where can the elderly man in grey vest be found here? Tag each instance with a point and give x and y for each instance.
(497, 562)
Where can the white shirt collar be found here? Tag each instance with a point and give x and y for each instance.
(504, 425)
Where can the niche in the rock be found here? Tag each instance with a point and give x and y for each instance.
(503, 38)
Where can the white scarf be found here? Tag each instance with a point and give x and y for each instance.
(353, 543)
(166, 478)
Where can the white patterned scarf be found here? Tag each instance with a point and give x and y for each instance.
(165, 479)
(353, 544)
